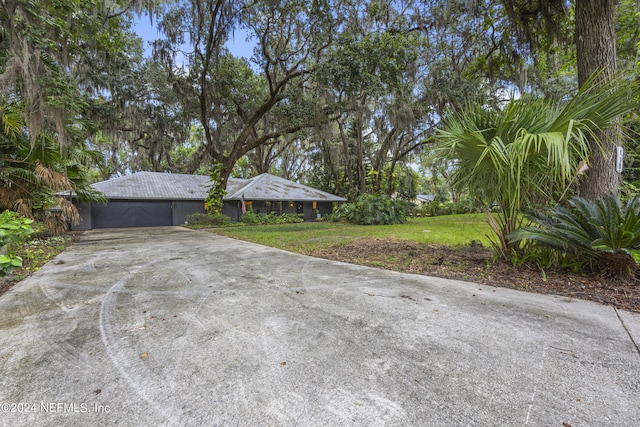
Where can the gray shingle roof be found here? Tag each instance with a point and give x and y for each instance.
(155, 185)
(173, 186)
(426, 197)
(271, 187)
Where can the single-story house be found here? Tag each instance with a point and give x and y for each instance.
(152, 199)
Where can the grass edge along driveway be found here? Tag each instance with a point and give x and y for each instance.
(447, 230)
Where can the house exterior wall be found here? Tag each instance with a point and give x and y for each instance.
(182, 208)
(325, 208)
(84, 208)
(308, 211)
(259, 206)
(231, 209)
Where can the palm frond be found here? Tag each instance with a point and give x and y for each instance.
(12, 124)
(69, 210)
(52, 179)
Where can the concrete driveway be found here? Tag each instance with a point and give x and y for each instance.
(168, 326)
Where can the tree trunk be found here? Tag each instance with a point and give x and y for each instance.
(596, 52)
(390, 188)
(359, 158)
(352, 194)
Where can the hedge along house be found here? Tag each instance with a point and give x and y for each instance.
(153, 199)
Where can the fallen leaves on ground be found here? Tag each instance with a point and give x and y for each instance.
(476, 264)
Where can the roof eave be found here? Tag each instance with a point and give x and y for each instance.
(253, 199)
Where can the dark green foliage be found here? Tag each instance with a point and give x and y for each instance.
(201, 220)
(14, 229)
(270, 218)
(217, 191)
(437, 208)
(373, 209)
(603, 235)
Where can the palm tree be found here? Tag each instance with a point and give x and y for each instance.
(31, 177)
(527, 153)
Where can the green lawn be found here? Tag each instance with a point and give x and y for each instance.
(449, 230)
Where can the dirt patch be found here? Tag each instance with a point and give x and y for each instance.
(6, 283)
(476, 264)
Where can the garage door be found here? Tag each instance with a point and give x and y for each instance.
(131, 213)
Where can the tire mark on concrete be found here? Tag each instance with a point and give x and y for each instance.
(535, 387)
(121, 361)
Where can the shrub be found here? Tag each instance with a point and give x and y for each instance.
(253, 218)
(14, 229)
(437, 208)
(373, 209)
(200, 220)
(603, 235)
